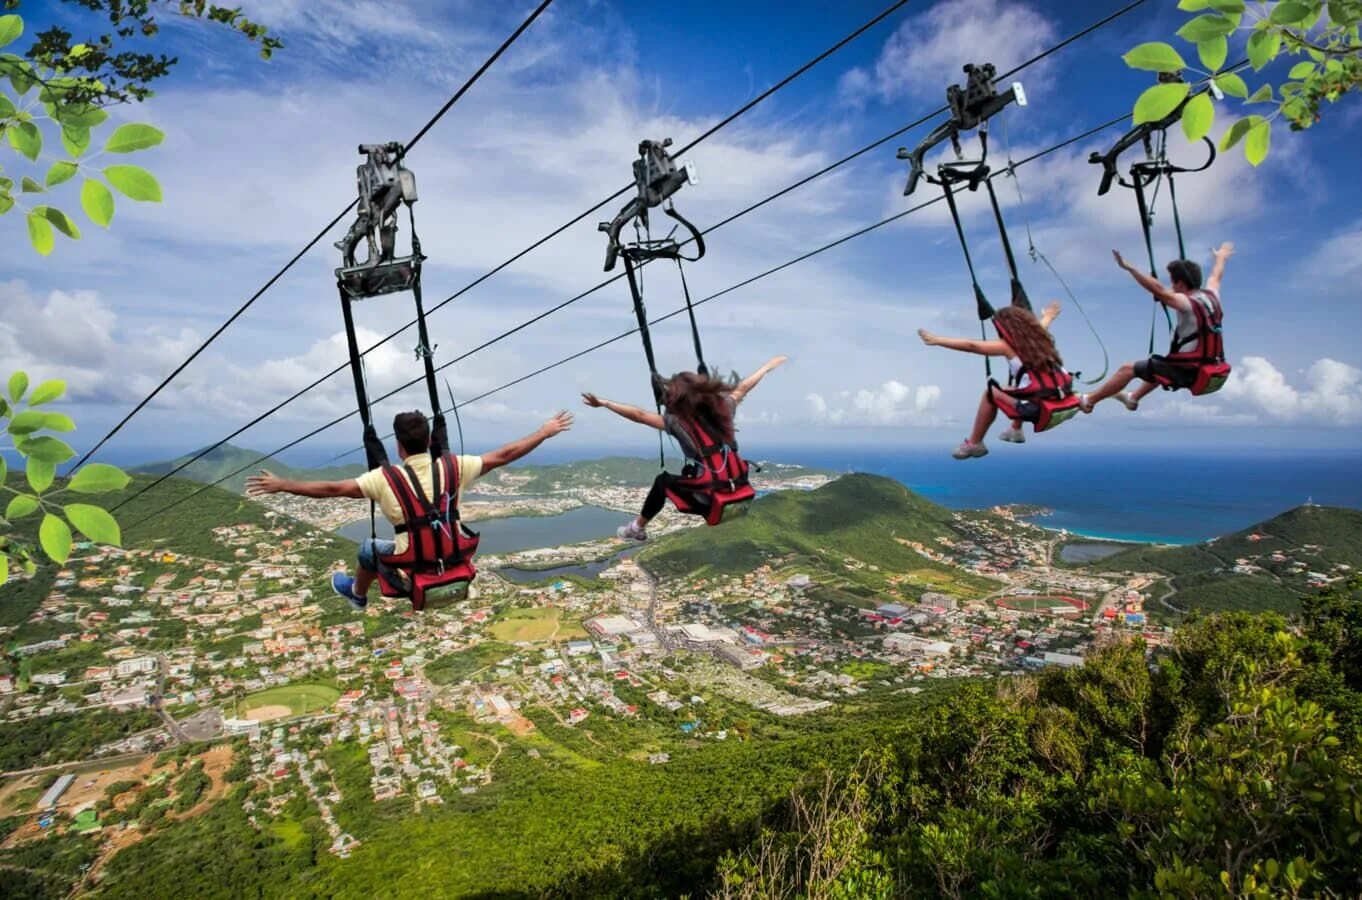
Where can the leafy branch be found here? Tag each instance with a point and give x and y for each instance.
(1326, 34)
(42, 452)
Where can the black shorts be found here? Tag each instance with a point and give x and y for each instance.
(1158, 370)
(1016, 407)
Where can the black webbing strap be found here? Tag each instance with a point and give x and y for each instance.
(984, 307)
(641, 314)
(1177, 219)
(694, 328)
(1147, 227)
(1019, 297)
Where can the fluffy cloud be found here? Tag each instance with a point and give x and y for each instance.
(892, 403)
(1330, 394)
(928, 50)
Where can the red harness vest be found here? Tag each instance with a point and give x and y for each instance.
(1209, 358)
(719, 489)
(439, 548)
(1050, 389)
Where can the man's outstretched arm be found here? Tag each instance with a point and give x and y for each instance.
(1165, 295)
(516, 449)
(269, 483)
(1224, 252)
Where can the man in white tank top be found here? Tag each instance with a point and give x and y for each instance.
(1186, 289)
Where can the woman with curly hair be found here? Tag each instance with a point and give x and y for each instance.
(688, 398)
(1035, 370)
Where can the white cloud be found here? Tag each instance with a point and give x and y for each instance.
(1329, 395)
(1338, 260)
(892, 403)
(928, 51)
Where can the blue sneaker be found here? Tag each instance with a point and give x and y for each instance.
(344, 585)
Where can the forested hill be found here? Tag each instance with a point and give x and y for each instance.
(610, 471)
(862, 516)
(1271, 565)
(221, 461)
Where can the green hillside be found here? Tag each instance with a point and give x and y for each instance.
(858, 516)
(1284, 551)
(228, 458)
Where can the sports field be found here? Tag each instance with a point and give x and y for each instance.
(1043, 604)
(533, 626)
(289, 700)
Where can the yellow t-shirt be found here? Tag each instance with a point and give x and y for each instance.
(375, 486)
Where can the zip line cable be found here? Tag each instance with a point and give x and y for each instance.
(729, 119)
(473, 79)
(1101, 23)
(677, 312)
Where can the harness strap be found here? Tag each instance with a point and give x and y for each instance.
(694, 328)
(1019, 297)
(984, 307)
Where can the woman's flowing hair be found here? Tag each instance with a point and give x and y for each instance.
(1022, 331)
(703, 400)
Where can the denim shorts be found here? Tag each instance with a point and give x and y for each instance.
(369, 552)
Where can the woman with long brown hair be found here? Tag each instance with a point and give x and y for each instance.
(1036, 369)
(688, 399)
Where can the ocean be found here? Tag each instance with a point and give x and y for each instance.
(1165, 496)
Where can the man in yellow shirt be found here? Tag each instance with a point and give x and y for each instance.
(412, 431)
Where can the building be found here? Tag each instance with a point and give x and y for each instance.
(741, 657)
(611, 625)
(49, 800)
(138, 665)
(1067, 660)
(912, 643)
(700, 633)
(579, 648)
(242, 726)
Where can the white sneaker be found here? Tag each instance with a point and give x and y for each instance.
(969, 450)
(631, 532)
(1013, 435)
(1131, 403)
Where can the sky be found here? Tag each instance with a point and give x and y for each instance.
(259, 155)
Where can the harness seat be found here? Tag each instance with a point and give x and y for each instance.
(438, 561)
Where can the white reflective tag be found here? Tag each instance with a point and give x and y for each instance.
(1019, 92)
(692, 176)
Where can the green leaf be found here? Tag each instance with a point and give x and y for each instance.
(4, 470)
(1155, 57)
(128, 138)
(80, 116)
(1289, 12)
(1262, 95)
(55, 537)
(75, 140)
(26, 139)
(1158, 101)
(1232, 85)
(40, 234)
(47, 392)
(60, 172)
(18, 383)
(60, 422)
(22, 505)
(48, 449)
(1301, 70)
(11, 27)
(21, 74)
(1236, 133)
(6, 107)
(29, 186)
(134, 182)
(4, 569)
(1198, 116)
(1193, 5)
(59, 219)
(6, 203)
(94, 522)
(1203, 28)
(1213, 53)
(1263, 47)
(1257, 142)
(98, 478)
(27, 422)
(97, 201)
(40, 473)
(1230, 7)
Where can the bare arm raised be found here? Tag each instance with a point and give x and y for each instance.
(1165, 295)
(624, 410)
(745, 386)
(1221, 254)
(965, 345)
(516, 449)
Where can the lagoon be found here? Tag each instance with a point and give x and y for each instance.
(517, 533)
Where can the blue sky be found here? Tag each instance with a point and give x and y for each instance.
(259, 155)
